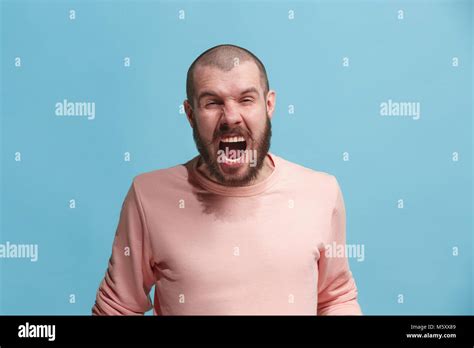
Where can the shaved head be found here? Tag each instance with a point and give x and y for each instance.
(225, 58)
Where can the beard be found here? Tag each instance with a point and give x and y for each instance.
(261, 145)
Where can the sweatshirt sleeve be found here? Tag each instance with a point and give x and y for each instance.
(126, 285)
(337, 291)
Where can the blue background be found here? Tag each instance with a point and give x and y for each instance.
(408, 251)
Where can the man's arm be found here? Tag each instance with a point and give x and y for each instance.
(128, 280)
(337, 291)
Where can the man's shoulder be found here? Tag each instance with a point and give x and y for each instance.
(314, 183)
(300, 172)
(162, 176)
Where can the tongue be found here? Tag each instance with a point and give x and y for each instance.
(236, 146)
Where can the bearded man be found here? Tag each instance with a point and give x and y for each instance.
(237, 230)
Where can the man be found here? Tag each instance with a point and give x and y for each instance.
(237, 229)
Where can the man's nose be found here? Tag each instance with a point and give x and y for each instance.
(231, 114)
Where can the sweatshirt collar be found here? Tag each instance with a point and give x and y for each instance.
(240, 191)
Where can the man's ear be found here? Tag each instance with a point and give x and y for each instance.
(189, 112)
(270, 102)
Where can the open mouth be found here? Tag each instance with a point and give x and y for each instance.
(233, 148)
(235, 143)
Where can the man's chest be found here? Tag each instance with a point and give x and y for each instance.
(210, 240)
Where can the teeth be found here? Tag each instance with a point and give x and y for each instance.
(232, 139)
(233, 160)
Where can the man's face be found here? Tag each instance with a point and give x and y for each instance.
(231, 121)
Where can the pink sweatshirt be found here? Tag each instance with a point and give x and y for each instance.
(216, 250)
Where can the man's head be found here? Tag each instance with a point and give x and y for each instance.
(229, 106)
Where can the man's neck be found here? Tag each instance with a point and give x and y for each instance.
(263, 173)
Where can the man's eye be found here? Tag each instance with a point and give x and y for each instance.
(247, 100)
(211, 103)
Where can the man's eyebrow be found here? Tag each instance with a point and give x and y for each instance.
(209, 93)
(204, 94)
(250, 90)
